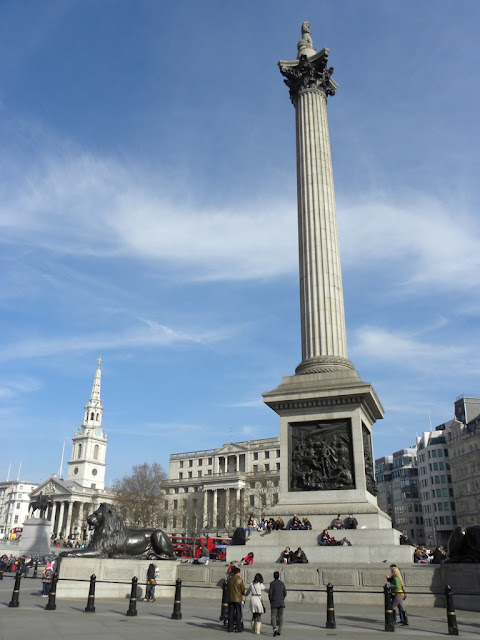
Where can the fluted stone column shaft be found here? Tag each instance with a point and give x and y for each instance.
(321, 291)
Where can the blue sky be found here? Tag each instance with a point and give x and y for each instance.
(148, 215)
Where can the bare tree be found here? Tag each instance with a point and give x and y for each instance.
(139, 496)
(262, 494)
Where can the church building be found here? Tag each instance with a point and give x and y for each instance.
(80, 494)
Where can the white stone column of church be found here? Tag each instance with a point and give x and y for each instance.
(205, 509)
(238, 519)
(69, 519)
(53, 517)
(60, 518)
(80, 519)
(227, 508)
(214, 509)
(321, 291)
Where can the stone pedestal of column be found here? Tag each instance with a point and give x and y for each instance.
(35, 538)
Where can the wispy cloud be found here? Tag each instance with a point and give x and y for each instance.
(387, 346)
(435, 242)
(147, 334)
(19, 386)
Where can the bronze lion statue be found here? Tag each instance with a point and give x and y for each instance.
(112, 539)
(464, 545)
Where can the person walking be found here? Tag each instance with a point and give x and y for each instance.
(256, 603)
(398, 593)
(152, 573)
(277, 594)
(236, 592)
(47, 580)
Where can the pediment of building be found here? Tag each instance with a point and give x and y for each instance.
(231, 448)
(51, 487)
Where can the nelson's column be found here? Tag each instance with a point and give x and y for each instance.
(326, 411)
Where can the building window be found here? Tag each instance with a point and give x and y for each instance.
(267, 467)
(255, 455)
(190, 474)
(267, 454)
(190, 463)
(175, 505)
(18, 505)
(96, 449)
(94, 472)
(255, 468)
(209, 472)
(252, 501)
(210, 461)
(79, 451)
(278, 466)
(278, 453)
(199, 474)
(200, 462)
(180, 476)
(181, 464)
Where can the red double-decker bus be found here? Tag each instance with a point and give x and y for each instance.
(188, 547)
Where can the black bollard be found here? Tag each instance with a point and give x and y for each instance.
(132, 607)
(451, 615)
(389, 624)
(90, 608)
(177, 603)
(35, 569)
(331, 624)
(224, 609)
(16, 590)
(51, 606)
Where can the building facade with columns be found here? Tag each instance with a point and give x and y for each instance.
(73, 498)
(215, 490)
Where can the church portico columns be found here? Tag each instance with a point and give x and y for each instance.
(60, 529)
(205, 509)
(69, 519)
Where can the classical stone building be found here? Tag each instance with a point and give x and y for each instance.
(14, 504)
(75, 497)
(463, 440)
(215, 490)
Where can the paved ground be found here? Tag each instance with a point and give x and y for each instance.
(200, 620)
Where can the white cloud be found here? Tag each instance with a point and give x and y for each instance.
(70, 201)
(435, 243)
(13, 388)
(148, 334)
(76, 203)
(387, 346)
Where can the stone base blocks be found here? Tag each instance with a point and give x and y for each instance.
(114, 577)
(354, 583)
(369, 546)
(35, 538)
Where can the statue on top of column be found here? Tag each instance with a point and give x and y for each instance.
(305, 45)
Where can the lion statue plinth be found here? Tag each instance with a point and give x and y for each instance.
(112, 539)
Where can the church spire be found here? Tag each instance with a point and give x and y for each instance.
(94, 408)
(87, 463)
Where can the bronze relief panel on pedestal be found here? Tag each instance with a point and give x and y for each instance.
(321, 456)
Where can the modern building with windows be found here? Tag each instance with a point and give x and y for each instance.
(398, 492)
(14, 504)
(463, 440)
(435, 485)
(215, 490)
